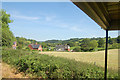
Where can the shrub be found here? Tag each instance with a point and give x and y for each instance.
(115, 45)
(77, 49)
(27, 48)
(88, 45)
(50, 67)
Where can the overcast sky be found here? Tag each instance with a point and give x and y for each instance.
(51, 20)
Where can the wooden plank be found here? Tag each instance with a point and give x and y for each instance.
(104, 14)
(112, 3)
(113, 7)
(115, 16)
(115, 25)
(114, 11)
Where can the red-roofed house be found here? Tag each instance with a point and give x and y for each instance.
(35, 47)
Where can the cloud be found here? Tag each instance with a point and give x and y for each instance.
(17, 15)
(25, 17)
(49, 18)
(60, 24)
(69, 26)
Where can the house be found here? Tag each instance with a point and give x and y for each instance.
(62, 48)
(35, 47)
(14, 45)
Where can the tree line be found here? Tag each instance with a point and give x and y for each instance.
(88, 44)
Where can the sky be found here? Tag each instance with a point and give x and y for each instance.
(43, 21)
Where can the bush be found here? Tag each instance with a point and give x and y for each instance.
(44, 49)
(88, 45)
(50, 67)
(19, 46)
(115, 45)
(27, 48)
(77, 49)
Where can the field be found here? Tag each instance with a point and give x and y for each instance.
(69, 65)
(91, 57)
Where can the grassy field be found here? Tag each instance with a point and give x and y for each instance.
(59, 65)
(91, 57)
(34, 65)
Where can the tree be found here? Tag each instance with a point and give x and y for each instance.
(118, 39)
(85, 44)
(115, 45)
(93, 44)
(77, 49)
(112, 40)
(101, 42)
(44, 45)
(88, 45)
(21, 42)
(7, 36)
(72, 44)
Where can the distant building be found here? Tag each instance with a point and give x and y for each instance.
(35, 47)
(14, 45)
(62, 48)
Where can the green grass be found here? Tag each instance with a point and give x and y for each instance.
(50, 67)
(91, 57)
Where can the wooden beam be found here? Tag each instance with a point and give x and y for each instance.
(115, 25)
(112, 3)
(103, 13)
(115, 16)
(114, 11)
(106, 50)
(113, 7)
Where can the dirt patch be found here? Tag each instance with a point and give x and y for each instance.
(9, 72)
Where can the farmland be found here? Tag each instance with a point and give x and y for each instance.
(90, 57)
(41, 65)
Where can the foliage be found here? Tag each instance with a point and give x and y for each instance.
(77, 49)
(7, 36)
(44, 45)
(22, 42)
(85, 44)
(93, 44)
(118, 39)
(101, 42)
(88, 45)
(112, 40)
(39, 65)
(115, 45)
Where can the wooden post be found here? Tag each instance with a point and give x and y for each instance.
(105, 75)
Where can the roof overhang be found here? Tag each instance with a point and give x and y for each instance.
(105, 14)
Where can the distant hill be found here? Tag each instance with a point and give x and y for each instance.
(53, 41)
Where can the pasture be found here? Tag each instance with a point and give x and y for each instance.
(59, 65)
(96, 58)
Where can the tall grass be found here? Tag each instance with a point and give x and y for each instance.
(50, 67)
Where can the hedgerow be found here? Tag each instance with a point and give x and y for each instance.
(50, 67)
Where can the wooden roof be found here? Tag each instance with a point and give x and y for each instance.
(105, 14)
